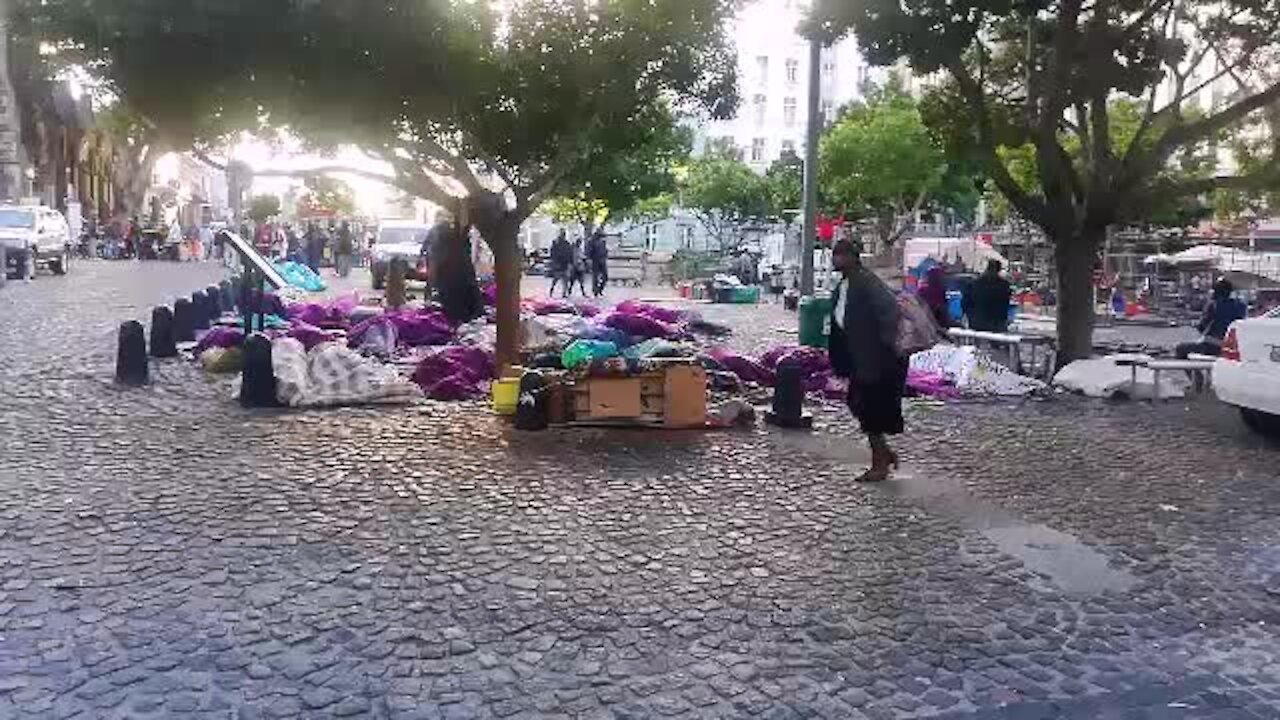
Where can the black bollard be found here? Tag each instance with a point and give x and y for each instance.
(258, 379)
(228, 302)
(788, 399)
(162, 343)
(215, 302)
(183, 321)
(199, 310)
(131, 355)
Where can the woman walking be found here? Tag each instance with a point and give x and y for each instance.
(864, 348)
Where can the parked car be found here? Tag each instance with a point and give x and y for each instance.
(1247, 373)
(35, 232)
(399, 239)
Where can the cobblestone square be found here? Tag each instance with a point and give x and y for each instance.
(166, 554)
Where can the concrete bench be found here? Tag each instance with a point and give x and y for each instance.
(1012, 342)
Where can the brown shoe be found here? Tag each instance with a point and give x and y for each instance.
(881, 462)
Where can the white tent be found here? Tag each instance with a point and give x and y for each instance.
(973, 253)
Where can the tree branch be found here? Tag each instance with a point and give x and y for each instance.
(1028, 206)
(1147, 163)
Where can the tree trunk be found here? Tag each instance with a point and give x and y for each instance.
(504, 241)
(1075, 257)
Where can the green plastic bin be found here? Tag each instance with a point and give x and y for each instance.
(815, 312)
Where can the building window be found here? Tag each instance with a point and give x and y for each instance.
(788, 147)
(828, 110)
(828, 68)
(686, 237)
(762, 68)
(651, 237)
(789, 112)
(793, 71)
(862, 76)
(759, 103)
(757, 150)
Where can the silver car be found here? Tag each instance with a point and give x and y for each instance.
(34, 236)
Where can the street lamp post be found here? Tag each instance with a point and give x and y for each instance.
(812, 131)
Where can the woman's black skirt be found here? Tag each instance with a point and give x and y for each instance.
(878, 405)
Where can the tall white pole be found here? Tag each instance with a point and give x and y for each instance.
(814, 129)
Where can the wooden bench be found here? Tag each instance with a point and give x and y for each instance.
(1013, 344)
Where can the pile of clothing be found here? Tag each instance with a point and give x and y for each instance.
(944, 371)
(343, 352)
(331, 375)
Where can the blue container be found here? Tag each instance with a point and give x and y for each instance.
(953, 305)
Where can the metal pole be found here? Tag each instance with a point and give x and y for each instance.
(814, 129)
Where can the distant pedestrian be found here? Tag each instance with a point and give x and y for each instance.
(578, 268)
(314, 242)
(986, 302)
(933, 291)
(1218, 315)
(863, 348)
(560, 264)
(344, 248)
(597, 252)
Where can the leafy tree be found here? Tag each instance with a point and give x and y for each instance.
(329, 194)
(1046, 75)
(724, 194)
(631, 176)
(263, 207)
(880, 160)
(785, 184)
(135, 148)
(485, 107)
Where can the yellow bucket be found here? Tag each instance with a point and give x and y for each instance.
(506, 395)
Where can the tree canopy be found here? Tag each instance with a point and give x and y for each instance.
(485, 106)
(724, 193)
(328, 195)
(880, 161)
(263, 207)
(633, 177)
(1047, 75)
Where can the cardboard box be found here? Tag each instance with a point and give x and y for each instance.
(685, 396)
(614, 398)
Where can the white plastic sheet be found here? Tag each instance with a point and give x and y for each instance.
(1102, 378)
(973, 372)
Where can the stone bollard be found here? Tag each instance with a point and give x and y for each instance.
(183, 321)
(199, 310)
(258, 379)
(788, 399)
(163, 344)
(131, 355)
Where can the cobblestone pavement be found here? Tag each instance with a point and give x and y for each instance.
(164, 553)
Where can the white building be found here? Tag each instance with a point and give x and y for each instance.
(773, 81)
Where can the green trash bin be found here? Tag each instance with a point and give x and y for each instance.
(815, 312)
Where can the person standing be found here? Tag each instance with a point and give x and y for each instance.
(315, 247)
(598, 257)
(863, 348)
(344, 249)
(578, 268)
(1222, 310)
(560, 263)
(934, 294)
(986, 302)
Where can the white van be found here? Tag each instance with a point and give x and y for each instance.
(399, 239)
